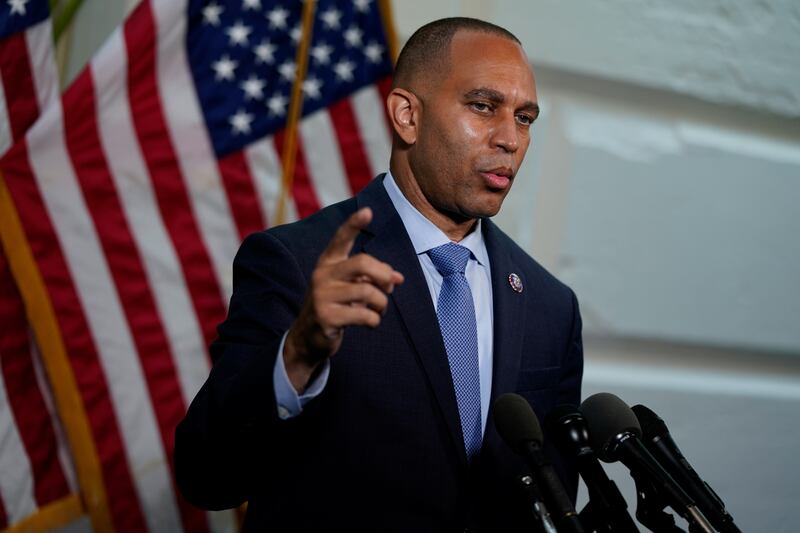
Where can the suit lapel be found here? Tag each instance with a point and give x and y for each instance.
(508, 317)
(386, 239)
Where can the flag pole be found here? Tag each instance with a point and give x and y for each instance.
(387, 16)
(43, 321)
(295, 108)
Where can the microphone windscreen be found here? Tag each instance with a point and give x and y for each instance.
(516, 422)
(652, 425)
(608, 416)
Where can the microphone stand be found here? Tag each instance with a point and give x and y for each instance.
(541, 516)
(650, 507)
(607, 510)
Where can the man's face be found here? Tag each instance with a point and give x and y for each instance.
(474, 126)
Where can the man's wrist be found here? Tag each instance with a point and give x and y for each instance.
(289, 401)
(298, 364)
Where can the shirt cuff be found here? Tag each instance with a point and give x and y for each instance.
(290, 403)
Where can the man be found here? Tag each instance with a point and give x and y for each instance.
(354, 375)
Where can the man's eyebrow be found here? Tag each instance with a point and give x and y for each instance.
(486, 94)
(498, 98)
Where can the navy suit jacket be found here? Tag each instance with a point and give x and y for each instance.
(380, 448)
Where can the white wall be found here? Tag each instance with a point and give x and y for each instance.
(661, 186)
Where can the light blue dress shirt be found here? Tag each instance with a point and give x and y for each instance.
(424, 236)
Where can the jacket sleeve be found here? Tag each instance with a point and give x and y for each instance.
(232, 430)
(572, 375)
(569, 392)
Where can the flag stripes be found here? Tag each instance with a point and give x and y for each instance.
(305, 197)
(375, 134)
(133, 221)
(129, 173)
(350, 145)
(25, 400)
(36, 471)
(16, 484)
(19, 91)
(324, 164)
(128, 275)
(265, 168)
(241, 194)
(189, 137)
(166, 174)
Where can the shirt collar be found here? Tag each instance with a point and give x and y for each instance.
(423, 233)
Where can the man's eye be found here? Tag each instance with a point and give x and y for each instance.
(525, 120)
(481, 107)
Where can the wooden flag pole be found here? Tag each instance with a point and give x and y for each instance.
(52, 516)
(43, 321)
(387, 16)
(295, 109)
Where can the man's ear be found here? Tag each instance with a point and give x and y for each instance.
(403, 107)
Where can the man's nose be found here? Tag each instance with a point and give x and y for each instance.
(506, 133)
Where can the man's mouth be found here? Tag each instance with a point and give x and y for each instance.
(498, 178)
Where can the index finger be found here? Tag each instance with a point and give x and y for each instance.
(344, 238)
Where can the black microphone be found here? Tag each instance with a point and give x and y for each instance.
(614, 432)
(607, 510)
(657, 439)
(538, 510)
(519, 427)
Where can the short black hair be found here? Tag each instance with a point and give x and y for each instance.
(428, 49)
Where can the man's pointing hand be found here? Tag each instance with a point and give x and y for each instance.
(343, 291)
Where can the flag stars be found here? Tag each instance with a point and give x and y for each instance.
(211, 14)
(287, 70)
(18, 7)
(247, 5)
(240, 122)
(353, 36)
(265, 52)
(238, 34)
(362, 5)
(312, 88)
(374, 52)
(331, 19)
(296, 33)
(253, 88)
(344, 70)
(225, 68)
(322, 53)
(277, 105)
(277, 18)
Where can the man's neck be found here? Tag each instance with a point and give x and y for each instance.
(455, 229)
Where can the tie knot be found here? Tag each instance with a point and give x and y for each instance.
(449, 258)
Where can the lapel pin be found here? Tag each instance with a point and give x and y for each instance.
(515, 282)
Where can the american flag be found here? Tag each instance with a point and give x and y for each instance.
(134, 190)
(36, 472)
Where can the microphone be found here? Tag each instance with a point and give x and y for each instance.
(659, 442)
(607, 509)
(518, 426)
(614, 432)
(538, 510)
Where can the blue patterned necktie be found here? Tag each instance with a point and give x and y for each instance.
(456, 314)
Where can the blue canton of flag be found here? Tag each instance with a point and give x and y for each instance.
(18, 15)
(243, 59)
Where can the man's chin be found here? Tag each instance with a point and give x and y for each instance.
(482, 212)
(488, 206)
